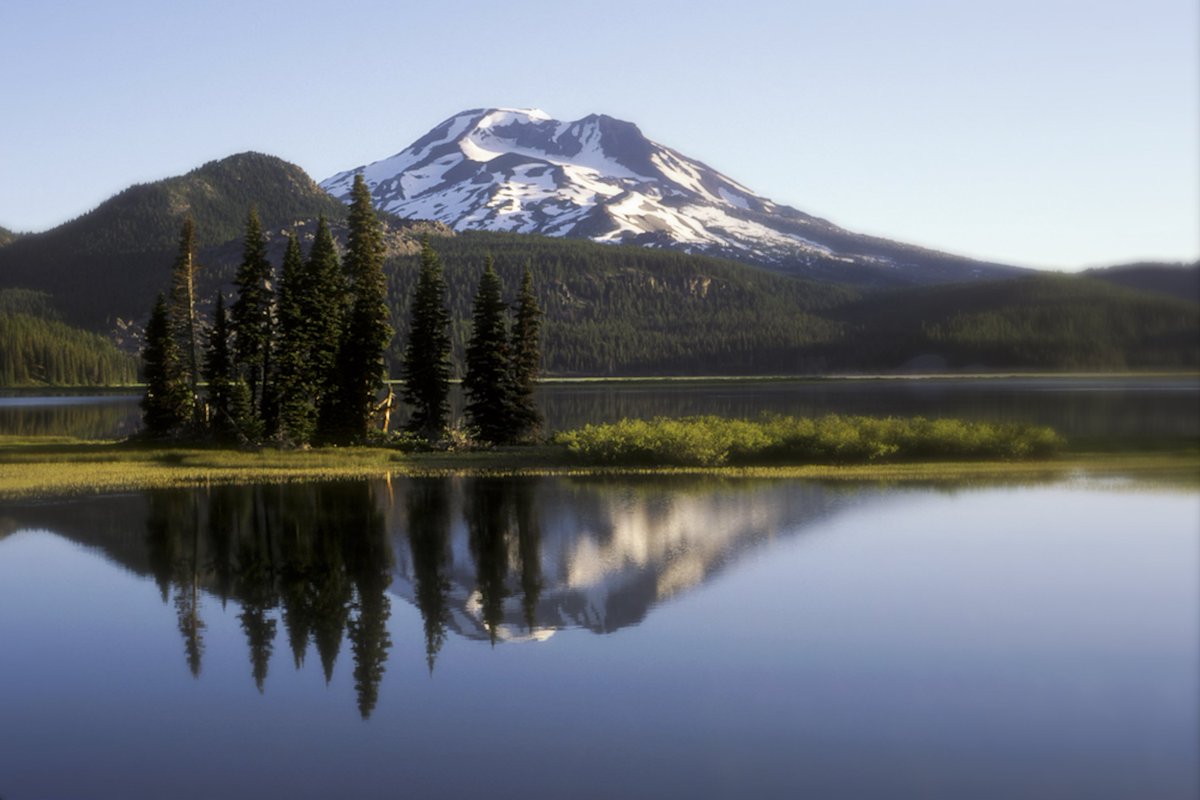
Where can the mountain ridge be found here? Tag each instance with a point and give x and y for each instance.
(1179, 280)
(108, 263)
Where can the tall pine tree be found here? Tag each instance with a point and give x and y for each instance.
(325, 303)
(184, 323)
(230, 418)
(367, 331)
(294, 413)
(252, 317)
(166, 406)
(487, 382)
(526, 360)
(426, 365)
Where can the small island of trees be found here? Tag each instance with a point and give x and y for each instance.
(303, 364)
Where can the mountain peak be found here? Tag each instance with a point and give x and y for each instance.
(520, 170)
(531, 114)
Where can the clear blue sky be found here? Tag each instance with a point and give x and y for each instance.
(1051, 133)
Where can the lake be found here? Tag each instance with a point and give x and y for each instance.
(1146, 411)
(621, 637)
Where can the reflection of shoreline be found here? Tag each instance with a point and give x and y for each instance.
(313, 567)
(105, 416)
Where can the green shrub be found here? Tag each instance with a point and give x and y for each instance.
(715, 441)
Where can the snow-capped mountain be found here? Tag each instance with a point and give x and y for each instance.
(602, 559)
(600, 178)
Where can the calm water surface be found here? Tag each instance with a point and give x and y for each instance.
(1140, 410)
(556, 637)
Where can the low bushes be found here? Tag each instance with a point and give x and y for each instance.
(715, 441)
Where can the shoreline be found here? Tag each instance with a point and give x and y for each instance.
(59, 467)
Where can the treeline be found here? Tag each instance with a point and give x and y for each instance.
(305, 363)
(1038, 322)
(36, 349)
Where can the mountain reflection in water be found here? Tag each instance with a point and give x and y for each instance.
(314, 566)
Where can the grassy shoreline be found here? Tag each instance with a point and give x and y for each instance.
(42, 467)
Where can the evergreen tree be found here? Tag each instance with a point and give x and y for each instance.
(230, 415)
(526, 358)
(487, 381)
(429, 537)
(252, 317)
(425, 368)
(289, 346)
(294, 413)
(367, 331)
(311, 305)
(323, 306)
(166, 407)
(185, 326)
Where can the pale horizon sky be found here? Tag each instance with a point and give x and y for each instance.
(1057, 134)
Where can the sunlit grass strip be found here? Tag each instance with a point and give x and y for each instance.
(59, 466)
(711, 441)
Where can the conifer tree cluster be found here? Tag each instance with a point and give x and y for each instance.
(502, 360)
(502, 364)
(298, 365)
(304, 363)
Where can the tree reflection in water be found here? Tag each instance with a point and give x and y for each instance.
(428, 517)
(491, 558)
(315, 555)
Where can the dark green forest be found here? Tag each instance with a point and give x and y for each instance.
(1173, 280)
(1042, 322)
(38, 349)
(623, 310)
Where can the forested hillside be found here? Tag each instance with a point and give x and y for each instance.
(1043, 322)
(623, 310)
(633, 311)
(6, 237)
(1173, 280)
(38, 349)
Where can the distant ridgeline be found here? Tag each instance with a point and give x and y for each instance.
(38, 349)
(609, 310)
